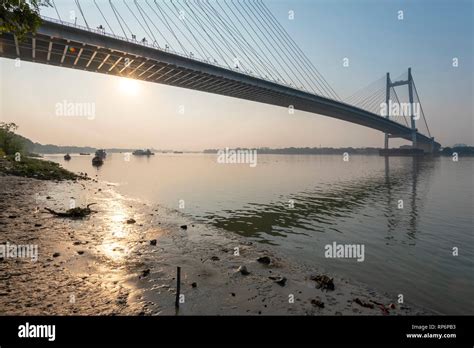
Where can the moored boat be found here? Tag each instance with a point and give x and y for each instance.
(101, 153)
(97, 161)
(147, 152)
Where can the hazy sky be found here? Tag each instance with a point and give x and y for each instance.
(369, 33)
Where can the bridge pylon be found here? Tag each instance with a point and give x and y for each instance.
(409, 83)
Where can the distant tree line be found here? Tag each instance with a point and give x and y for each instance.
(460, 150)
(311, 150)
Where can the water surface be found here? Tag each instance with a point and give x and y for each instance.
(301, 203)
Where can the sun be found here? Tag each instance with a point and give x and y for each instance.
(128, 86)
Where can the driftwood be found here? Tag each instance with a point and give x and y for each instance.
(74, 213)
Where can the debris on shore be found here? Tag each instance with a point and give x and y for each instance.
(363, 303)
(73, 213)
(264, 259)
(323, 282)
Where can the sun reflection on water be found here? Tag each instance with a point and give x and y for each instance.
(117, 237)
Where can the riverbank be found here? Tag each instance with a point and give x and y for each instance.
(122, 260)
(35, 168)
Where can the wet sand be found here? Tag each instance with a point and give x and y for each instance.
(102, 265)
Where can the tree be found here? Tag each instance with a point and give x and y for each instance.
(10, 143)
(20, 17)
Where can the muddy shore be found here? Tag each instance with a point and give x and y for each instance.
(122, 260)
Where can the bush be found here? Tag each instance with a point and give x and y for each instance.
(10, 143)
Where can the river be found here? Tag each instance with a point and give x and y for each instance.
(414, 217)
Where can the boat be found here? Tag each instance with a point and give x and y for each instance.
(97, 161)
(84, 154)
(147, 152)
(177, 151)
(101, 153)
(67, 157)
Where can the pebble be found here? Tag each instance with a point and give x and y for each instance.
(317, 303)
(243, 270)
(264, 259)
(279, 280)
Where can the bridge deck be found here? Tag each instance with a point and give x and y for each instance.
(73, 47)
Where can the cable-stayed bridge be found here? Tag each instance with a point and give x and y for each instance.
(228, 47)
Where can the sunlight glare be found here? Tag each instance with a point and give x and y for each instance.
(128, 86)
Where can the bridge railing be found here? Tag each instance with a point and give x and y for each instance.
(126, 39)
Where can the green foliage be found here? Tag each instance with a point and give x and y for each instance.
(20, 17)
(35, 168)
(10, 143)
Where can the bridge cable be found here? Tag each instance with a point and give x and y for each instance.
(200, 24)
(374, 102)
(159, 31)
(398, 101)
(118, 20)
(228, 29)
(105, 19)
(363, 92)
(272, 23)
(120, 16)
(223, 25)
(82, 13)
(365, 102)
(421, 107)
(272, 68)
(56, 9)
(224, 40)
(269, 67)
(146, 23)
(164, 13)
(139, 22)
(251, 50)
(203, 29)
(283, 46)
(287, 77)
(179, 13)
(221, 39)
(168, 26)
(264, 40)
(298, 49)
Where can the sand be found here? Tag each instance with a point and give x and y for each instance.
(102, 265)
